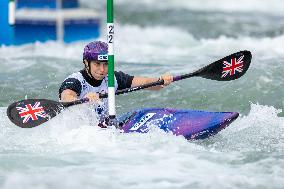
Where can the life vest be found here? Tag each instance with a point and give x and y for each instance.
(101, 108)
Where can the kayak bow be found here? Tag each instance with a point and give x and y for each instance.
(192, 124)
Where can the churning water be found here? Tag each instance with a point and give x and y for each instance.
(154, 37)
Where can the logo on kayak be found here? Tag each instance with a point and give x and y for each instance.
(142, 121)
(32, 113)
(233, 66)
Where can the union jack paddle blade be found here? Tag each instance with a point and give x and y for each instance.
(33, 112)
(229, 68)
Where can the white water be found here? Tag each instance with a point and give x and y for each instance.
(167, 43)
(265, 6)
(69, 153)
(273, 7)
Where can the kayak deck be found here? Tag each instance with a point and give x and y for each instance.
(192, 124)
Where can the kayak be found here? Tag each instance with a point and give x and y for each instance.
(192, 124)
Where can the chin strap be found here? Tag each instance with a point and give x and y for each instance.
(88, 68)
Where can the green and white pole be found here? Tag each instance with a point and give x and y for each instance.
(11, 19)
(110, 39)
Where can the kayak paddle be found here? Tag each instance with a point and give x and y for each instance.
(33, 112)
(226, 69)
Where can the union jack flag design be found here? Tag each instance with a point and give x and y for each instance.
(233, 67)
(30, 112)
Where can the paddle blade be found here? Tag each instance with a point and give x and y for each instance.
(33, 112)
(229, 68)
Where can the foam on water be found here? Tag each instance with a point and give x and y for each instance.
(71, 150)
(153, 44)
(171, 43)
(261, 130)
(266, 6)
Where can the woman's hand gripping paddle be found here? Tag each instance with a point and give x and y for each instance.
(33, 112)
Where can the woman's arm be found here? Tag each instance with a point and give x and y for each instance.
(137, 81)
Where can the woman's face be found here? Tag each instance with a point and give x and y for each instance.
(99, 69)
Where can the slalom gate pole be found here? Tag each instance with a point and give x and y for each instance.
(110, 40)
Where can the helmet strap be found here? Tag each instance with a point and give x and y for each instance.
(88, 68)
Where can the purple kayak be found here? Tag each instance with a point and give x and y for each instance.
(192, 124)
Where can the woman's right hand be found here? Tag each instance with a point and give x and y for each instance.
(93, 97)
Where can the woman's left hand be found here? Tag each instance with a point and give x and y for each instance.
(168, 79)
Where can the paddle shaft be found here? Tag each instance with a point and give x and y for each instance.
(132, 89)
(148, 85)
(81, 101)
